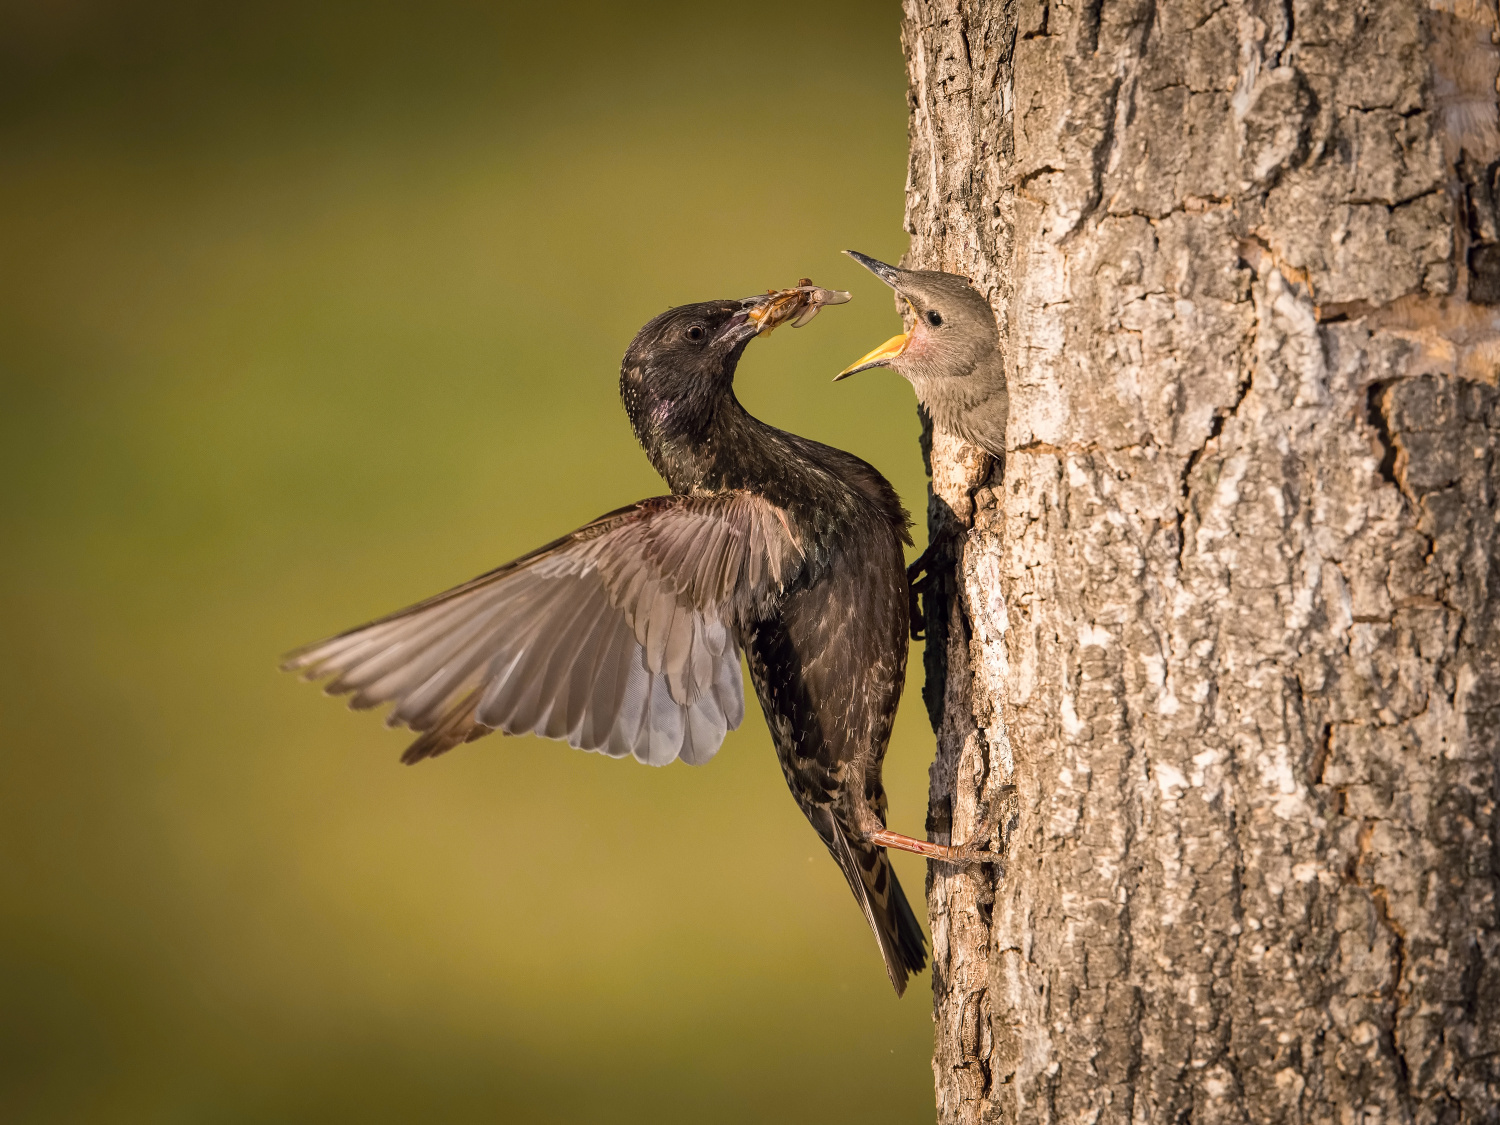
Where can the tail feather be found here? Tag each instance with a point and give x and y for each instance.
(868, 871)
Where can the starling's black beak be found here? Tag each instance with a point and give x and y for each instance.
(741, 326)
(888, 274)
(888, 351)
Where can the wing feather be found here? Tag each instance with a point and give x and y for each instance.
(625, 735)
(677, 660)
(577, 689)
(618, 638)
(700, 660)
(662, 731)
(572, 661)
(603, 709)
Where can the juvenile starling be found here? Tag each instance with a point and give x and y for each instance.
(951, 355)
(625, 636)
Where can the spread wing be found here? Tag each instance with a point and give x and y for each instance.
(617, 638)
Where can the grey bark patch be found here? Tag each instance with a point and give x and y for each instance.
(1275, 121)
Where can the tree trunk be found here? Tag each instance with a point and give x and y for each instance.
(1218, 663)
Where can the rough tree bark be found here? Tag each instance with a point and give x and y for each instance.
(1218, 661)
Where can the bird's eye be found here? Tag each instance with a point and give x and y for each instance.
(696, 333)
(934, 319)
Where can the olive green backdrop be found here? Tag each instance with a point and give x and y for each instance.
(309, 311)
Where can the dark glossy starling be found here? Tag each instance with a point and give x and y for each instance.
(625, 636)
(951, 354)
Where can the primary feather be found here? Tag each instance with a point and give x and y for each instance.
(615, 638)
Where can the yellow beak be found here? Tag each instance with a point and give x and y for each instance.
(880, 357)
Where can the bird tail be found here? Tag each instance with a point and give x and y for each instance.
(868, 871)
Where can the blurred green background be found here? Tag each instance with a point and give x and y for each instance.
(308, 311)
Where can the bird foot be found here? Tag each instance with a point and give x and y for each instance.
(936, 558)
(974, 854)
(961, 854)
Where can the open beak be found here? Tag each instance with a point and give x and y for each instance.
(880, 357)
(883, 355)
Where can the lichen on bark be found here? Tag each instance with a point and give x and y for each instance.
(1217, 661)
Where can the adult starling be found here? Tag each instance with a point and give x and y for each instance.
(625, 636)
(951, 355)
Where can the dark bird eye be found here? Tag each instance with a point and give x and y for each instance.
(934, 319)
(696, 333)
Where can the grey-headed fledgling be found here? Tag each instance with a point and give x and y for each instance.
(951, 355)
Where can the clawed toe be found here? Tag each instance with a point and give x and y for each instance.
(972, 854)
